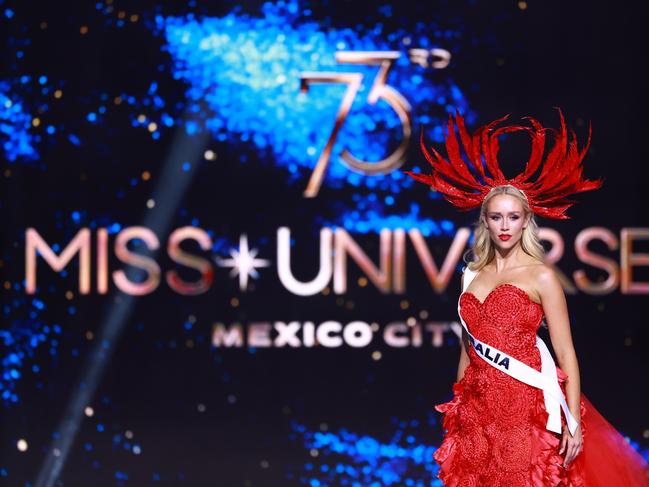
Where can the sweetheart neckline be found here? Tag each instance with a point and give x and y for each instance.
(494, 289)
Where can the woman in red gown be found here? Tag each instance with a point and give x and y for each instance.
(498, 430)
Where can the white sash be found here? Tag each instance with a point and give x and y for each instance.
(545, 380)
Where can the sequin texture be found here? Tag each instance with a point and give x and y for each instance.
(495, 425)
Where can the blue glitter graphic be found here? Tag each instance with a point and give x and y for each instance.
(257, 62)
(21, 339)
(347, 458)
(368, 219)
(15, 138)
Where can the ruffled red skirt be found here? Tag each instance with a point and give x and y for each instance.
(607, 459)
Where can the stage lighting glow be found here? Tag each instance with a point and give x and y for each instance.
(259, 60)
(16, 140)
(347, 458)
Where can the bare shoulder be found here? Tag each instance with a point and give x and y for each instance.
(545, 277)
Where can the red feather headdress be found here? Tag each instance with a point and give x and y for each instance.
(466, 185)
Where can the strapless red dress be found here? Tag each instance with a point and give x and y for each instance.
(495, 425)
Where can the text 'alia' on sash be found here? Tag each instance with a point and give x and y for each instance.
(486, 352)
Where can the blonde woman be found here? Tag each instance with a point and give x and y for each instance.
(516, 418)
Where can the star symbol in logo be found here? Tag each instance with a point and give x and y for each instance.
(243, 262)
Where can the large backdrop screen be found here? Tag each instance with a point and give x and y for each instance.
(214, 270)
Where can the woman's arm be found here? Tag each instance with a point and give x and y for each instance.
(464, 343)
(556, 314)
(464, 356)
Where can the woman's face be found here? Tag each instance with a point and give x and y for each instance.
(505, 220)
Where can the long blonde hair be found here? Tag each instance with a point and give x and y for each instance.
(482, 251)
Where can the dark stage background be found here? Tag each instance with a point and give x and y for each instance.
(189, 114)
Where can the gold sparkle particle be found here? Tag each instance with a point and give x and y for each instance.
(210, 155)
(117, 100)
(58, 94)
(376, 355)
(234, 302)
(134, 18)
(43, 25)
(69, 295)
(522, 5)
(189, 343)
(349, 305)
(7, 173)
(121, 14)
(89, 335)
(36, 121)
(146, 175)
(326, 291)
(404, 304)
(83, 29)
(7, 285)
(412, 321)
(423, 314)
(141, 118)
(150, 203)
(645, 434)
(153, 127)
(362, 281)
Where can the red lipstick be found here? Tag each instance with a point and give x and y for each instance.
(504, 236)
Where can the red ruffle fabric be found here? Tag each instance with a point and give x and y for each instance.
(495, 426)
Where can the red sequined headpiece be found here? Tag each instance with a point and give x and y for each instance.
(466, 185)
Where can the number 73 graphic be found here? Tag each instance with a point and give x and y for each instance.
(380, 90)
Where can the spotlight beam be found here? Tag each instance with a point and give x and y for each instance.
(167, 195)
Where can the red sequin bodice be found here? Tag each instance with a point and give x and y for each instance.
(508, 319)
(496, 425)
